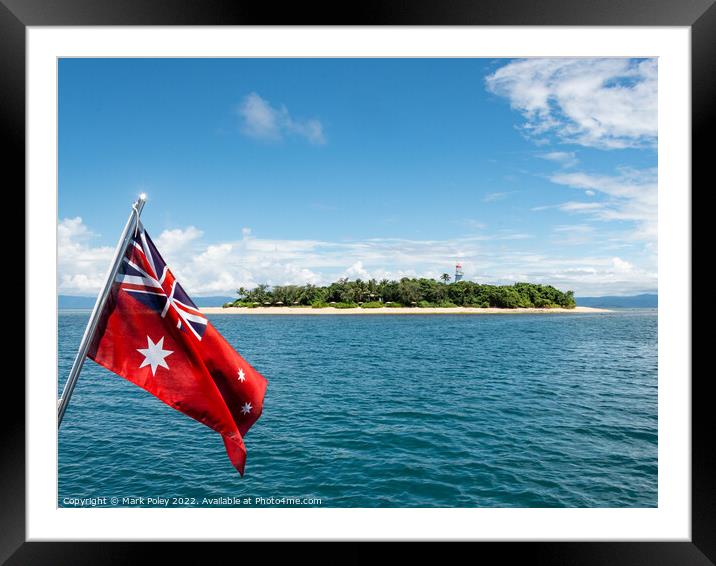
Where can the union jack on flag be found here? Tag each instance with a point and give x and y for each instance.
(144, 273)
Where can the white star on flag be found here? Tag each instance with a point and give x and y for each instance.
(242, 376)
(246, 409)
(154, 354)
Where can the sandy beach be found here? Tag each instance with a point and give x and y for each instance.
(389, 310)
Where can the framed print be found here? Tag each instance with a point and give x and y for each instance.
(402, 276)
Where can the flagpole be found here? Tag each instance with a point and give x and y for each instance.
(124, 239)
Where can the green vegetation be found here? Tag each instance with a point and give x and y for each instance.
(419, 293)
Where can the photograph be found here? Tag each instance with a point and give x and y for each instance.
(358, 282)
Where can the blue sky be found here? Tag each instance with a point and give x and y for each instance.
(306, 170)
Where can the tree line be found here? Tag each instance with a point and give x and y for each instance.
(407, 292)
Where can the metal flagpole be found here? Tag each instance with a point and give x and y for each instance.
(132, 223)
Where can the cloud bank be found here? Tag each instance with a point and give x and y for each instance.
(220, 268)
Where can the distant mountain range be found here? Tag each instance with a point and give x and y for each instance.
(72, 302)
(635, 301)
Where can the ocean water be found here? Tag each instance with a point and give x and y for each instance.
(536, 410)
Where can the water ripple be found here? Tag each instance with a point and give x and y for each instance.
(390, 411)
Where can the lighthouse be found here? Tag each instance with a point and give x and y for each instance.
(458, 272)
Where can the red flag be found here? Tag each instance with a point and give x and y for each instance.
(152, 334)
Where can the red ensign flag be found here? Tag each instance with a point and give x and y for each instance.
(152, 334)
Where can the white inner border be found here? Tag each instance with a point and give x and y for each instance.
(670, 521)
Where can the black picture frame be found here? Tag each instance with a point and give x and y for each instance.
(16, 15)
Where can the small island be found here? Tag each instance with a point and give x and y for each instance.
(406, 296)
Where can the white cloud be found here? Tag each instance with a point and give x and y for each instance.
(262, 121)
(564, 158)
(493, 197)
(81, 268)
(221, 267)
(629, 196)
(574, 228)
(572, 206)
(603, 103)
(621, 266)
(171, 241)
(357, 271)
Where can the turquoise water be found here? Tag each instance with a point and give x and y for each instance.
(389, 411)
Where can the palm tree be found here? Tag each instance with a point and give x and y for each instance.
(445, 277)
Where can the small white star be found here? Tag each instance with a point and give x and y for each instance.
(242, 376)
(246, 408)
(154, 354)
